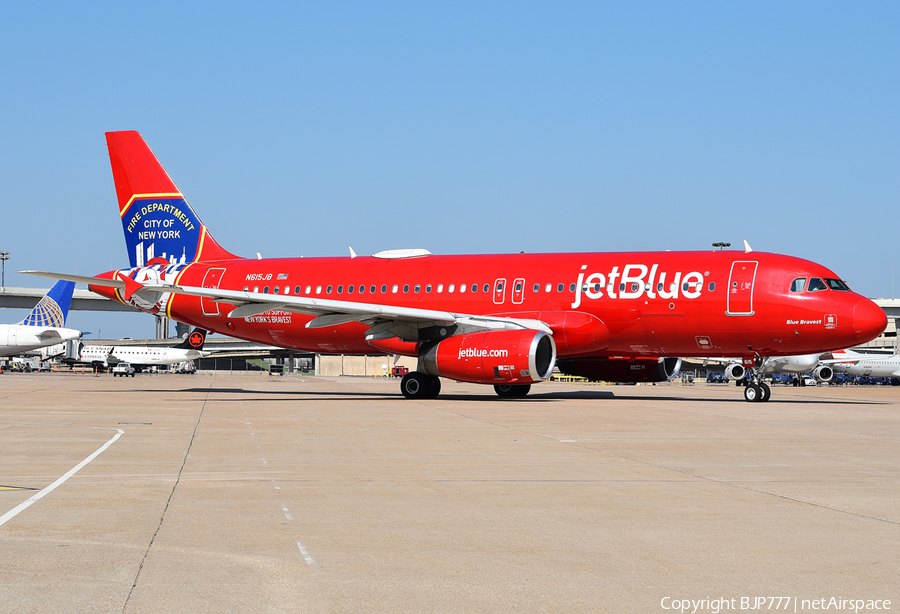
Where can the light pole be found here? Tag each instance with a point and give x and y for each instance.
(4, 256)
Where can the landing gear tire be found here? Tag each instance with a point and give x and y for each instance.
(752, 393)
(434, 387)
(417, 385)
(512, 390)
(766, 392)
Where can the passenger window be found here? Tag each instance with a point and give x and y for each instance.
(383, 289)
(548, 288)
(621, 287)
(487, 288)
(798, 284)
(276, 290)
(340, 288)
(571, 287)
(451, 288)
(406, 288)
(297, 290)
(318, 289)
(362, 289)
(349, 289)
(462, 288)
(394, 288)
(287, 289)
(519, 287)
(256, 288)
(659, 287)
(328, 290)
(440, 288)
(417, 288)
(559, 287)
(816, 284)
(372, 289)
(265, 289)
(428, 288)
(246, 288)
(712, 286)
(474, 287)
(634, 286)
(309, 288)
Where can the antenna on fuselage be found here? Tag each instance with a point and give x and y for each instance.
(747, 248)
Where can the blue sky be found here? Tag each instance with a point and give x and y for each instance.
(301, 129)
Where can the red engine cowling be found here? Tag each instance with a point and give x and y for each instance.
(492, 357)
(622, 369)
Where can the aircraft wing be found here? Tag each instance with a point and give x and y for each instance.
(846, 360)
(386, 321)
(49, 334)
(79, 279)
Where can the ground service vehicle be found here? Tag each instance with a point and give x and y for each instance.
(124, 369)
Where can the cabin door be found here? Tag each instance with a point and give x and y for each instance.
(740, 288)
(211, 281)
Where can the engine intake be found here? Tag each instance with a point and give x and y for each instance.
(735, 371)
(823, 373)
(492, 357)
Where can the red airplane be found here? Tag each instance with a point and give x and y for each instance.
(504, 320)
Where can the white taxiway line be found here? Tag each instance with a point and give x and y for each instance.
(309, 560)
(29, 502)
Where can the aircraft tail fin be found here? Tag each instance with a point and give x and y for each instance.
(53, 308)
(194, 341)
(157, 220)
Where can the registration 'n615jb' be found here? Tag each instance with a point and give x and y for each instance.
(505, 320)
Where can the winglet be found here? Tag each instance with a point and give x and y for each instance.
(747, 248)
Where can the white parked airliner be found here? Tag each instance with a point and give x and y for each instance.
(141, 356)
(44, 326)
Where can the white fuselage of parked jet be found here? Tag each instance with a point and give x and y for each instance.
(19, 338)
(866, 365)
(138, 355)
(794, 365)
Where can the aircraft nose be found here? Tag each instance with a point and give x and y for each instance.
(869, 320)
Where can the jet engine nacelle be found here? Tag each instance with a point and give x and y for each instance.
(622, 369)
(823, 373)
(492, 357)
(735, 371)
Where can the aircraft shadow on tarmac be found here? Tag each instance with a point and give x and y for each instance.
(573, 395)
(488, 394)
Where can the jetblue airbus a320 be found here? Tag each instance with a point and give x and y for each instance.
(504, 320)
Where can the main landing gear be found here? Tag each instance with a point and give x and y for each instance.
(512, 390)
(418, 385)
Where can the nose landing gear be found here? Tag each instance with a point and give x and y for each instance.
(757, 391)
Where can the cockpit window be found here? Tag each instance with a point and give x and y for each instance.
(798, 284)
(837, 284)
(816, 284)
